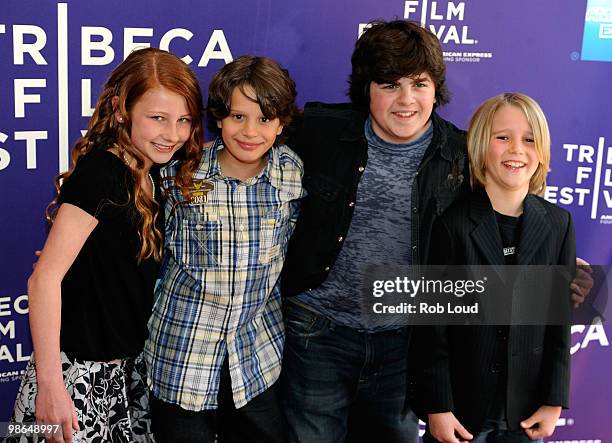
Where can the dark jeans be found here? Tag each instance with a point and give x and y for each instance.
(259, 421)
(339, 384)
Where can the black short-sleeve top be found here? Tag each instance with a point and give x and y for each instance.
(107, 295)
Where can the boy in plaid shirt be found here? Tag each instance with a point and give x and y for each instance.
(216, 332)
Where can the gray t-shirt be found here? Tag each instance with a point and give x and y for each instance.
(379, 233)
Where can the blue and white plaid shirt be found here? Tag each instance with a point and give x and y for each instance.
(219, 292)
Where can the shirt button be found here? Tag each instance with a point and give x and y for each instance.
(326, 268)
(351, 204)
(199, 227)
(361, 169)
(241, 227)
(340, 238)
(414, 248)
(415, 209)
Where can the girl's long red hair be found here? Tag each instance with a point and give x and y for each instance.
(142, 70)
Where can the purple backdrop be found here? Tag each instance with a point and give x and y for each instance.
(55, 57)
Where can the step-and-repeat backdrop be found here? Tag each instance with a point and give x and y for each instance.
(56, 55)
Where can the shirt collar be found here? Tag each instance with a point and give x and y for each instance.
(210, 161)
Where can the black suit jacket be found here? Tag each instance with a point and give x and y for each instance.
(458, 366)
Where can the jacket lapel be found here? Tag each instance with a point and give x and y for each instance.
(534, 229)
(486, 233)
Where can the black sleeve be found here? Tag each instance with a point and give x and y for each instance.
(297, 139)
(431, 376)
(567, 256)
(556, 374)
(98, 185)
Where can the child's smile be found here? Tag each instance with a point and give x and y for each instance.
(161, 124)
(511, 158)
(247, 135)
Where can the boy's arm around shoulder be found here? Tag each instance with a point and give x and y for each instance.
(321, 122)
(580, 271)
(297, 140)
(300, 134)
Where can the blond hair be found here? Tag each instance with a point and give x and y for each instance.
(479, 136)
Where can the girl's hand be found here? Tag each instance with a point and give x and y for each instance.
(443, 427)
(55, 407)
(542, 423)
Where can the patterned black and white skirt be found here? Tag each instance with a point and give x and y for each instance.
(111, 400)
